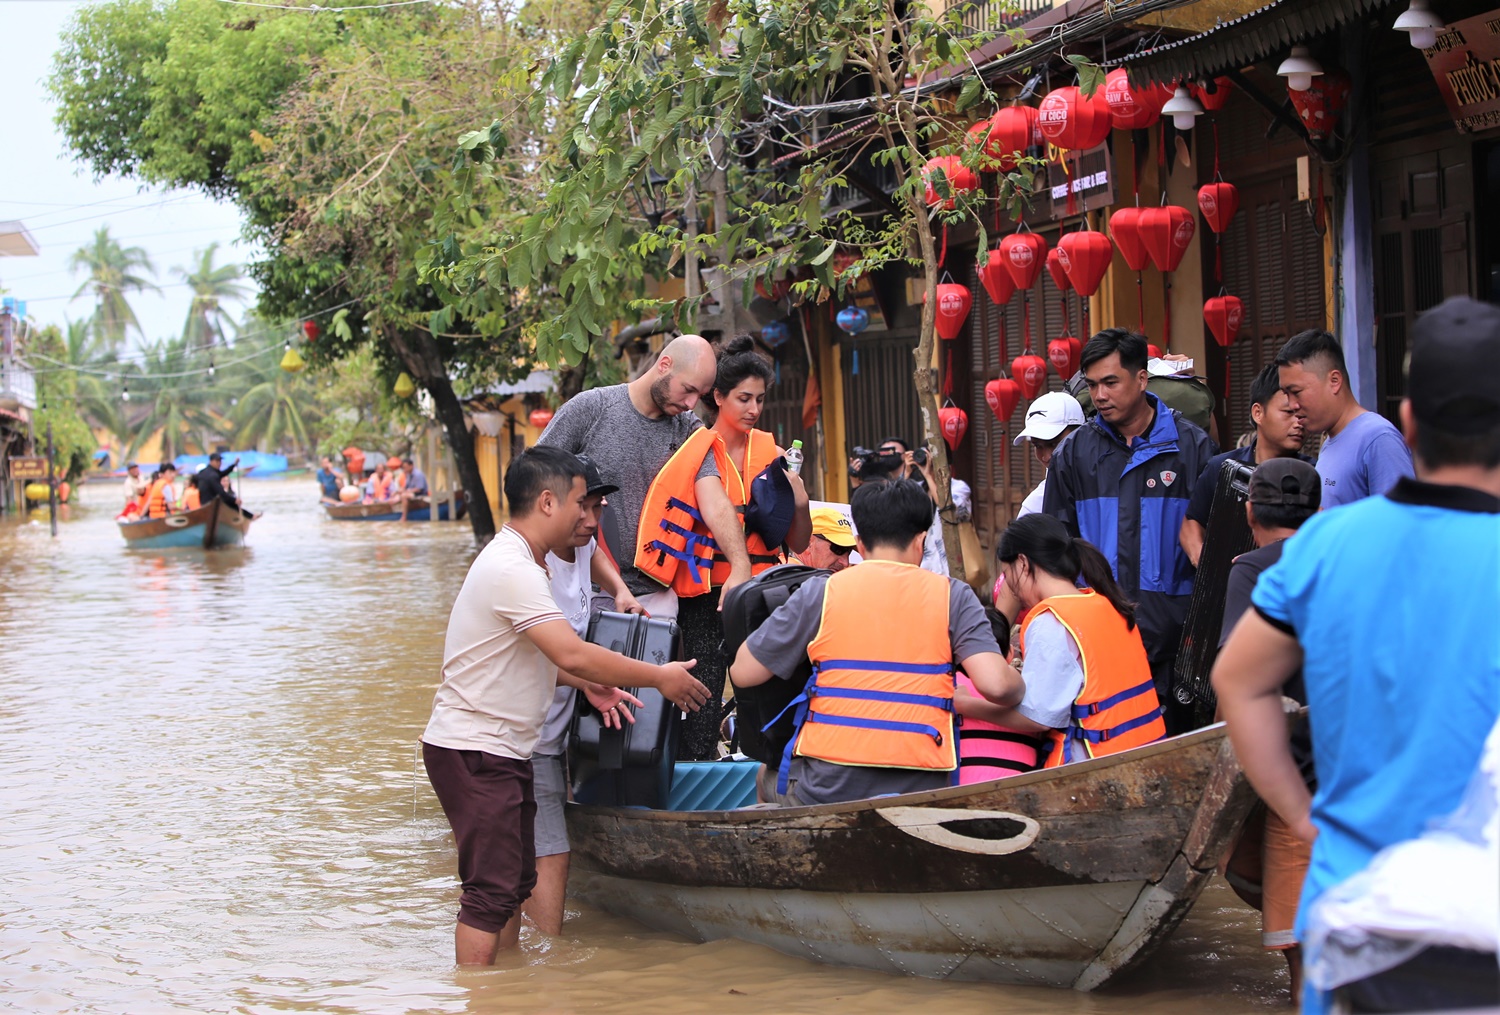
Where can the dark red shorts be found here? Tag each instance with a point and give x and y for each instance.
(490, 804)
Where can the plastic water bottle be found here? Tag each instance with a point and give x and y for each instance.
(794, 458)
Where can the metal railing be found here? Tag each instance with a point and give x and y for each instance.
(997, 15)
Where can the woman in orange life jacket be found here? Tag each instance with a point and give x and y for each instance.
(733, 409)
(1088, 683)
(160, 498)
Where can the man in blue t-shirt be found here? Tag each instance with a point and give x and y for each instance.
(1362, 455)
(1389, 606)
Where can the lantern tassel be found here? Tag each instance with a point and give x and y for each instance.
(1026, 321)
(1166, 318)
(854, 363)
(943, 253)
(948, 374)
(1140, 301)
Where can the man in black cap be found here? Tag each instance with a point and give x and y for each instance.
(210, 480)
(1389, 607)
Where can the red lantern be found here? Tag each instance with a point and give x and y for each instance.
(1024, 254)
(954, 423)
(1214, 94)
(311, 330)
(1030, 372)
(1319, 106)
(1124, 228)
(1063, 354)
(1013, 129)
(1056, 269)
(540, 418)
(961, 180)
(1218, 202)
(953, 303)
(1085, 256)
(1002, 395)
(1167, 233)
(1073, 122)
(1224, 315)
(996, 279)
(1133, 108)
(1153, 351)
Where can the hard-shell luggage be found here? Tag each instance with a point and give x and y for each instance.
(630, 767)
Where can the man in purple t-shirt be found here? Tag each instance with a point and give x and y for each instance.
(1363, 455)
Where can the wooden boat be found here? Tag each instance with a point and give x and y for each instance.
(388, 511)
(1063, 877)
(215, 524)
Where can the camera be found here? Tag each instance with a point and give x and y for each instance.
(873, 464)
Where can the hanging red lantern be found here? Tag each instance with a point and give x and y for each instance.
(960, 180)
(1002, 395)
(1218, 202)
(1024, 254)
(1319, 106)
(979, 137)
(311, 330)
(1073, 122)
(1030, 372)
(1167, 233)
(953, 303)
(1133, 108)
(1056, 269)
(1125, 230)
(1224, 315)
(1013, 130)
(996, 279)
(1213, 93)
(1085, 256)
(954, 423)
(1153, 351)
(1063, 353)
(540, 418)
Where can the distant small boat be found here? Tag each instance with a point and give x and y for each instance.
(388, 511)
(215, 524)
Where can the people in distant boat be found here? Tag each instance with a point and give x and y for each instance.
(398, 477)
(877, 717)
(330, 481)
(136, 486)
(191, 498)
(210, 480)
(1088, 680)
(160, 498)
(378, 486)
(415, 482)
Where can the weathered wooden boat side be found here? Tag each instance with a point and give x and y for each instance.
(211, 526)
(1062, 877)
(385, 511)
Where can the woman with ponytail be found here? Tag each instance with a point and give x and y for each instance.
(1088, 683)
(733, 409)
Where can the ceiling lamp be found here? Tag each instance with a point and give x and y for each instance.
(1299, 69)
(1183, 109)
(1420, 24)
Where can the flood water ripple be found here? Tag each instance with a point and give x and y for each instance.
(209, 801)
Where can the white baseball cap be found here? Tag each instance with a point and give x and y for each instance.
(1050, 415)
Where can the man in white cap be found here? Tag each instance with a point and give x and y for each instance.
(1049, 419)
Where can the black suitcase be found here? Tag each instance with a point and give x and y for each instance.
(630, 767)
(1226, 536)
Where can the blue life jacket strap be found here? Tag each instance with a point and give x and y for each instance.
(884, 666)
(896, 697)
(1100, 736)
(1081, 711)
(878, 724)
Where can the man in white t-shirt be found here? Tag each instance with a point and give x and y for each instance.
(1049, 420)
(506, 641)
(574, 570)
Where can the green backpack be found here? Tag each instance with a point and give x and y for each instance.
(1188, 395)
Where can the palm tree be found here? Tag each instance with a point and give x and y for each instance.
(211, 286)
(111, 274)
(177, 394)
(275, 407)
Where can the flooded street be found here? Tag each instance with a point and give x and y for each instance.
(210, 802)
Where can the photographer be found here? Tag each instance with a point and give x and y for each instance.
(891, 461)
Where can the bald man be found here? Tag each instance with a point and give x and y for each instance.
(629, 431)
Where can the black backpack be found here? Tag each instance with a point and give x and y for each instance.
(745, 608)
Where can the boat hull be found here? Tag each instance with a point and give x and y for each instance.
(1061, 878)
(420, 511)
(212, 526)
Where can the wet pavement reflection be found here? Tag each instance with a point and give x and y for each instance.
(209, 801)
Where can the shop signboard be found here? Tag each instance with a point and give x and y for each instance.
(28, 467)
(1465, 61)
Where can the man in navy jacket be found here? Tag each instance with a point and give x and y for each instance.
(1123, 482)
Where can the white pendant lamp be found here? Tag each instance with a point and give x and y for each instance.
(1299, 69)
(1420, 24)
(1183, 109)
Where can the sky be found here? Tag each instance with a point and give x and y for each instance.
(62, 205)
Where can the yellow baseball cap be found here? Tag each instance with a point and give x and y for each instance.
(833, 525)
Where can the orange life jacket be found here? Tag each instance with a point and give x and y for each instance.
(154, 503)
(1117, 707)
(759, 453)
(380, 489)
(191, 499)
(987, 751)
(881, 693)
(674, 545)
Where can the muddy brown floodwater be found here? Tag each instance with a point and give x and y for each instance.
(208, 802)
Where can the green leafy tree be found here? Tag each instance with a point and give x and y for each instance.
(172, 384)
(664, 90)
(113, 271)
(57, 405)
(212, 285)
(272, 408)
